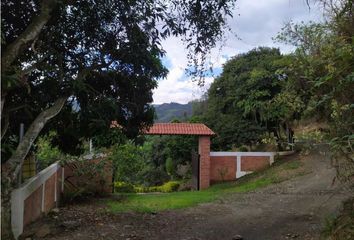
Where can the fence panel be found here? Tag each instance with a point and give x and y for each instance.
(36, 196)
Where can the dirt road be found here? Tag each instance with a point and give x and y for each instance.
(294, 209)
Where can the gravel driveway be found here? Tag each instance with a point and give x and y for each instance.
(294, 209)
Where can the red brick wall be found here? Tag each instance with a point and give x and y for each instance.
(73, 180)
(49, 194)
(33, 206)
(59, 182)
(204, 152)
(218, 164)
(254, 163)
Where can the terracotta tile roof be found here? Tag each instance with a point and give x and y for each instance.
(179, 129)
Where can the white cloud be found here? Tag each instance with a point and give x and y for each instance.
(257, 23)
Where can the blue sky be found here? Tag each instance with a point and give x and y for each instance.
(254, 22)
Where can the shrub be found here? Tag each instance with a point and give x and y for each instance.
(170, 168)
(128, 163)
(155, 176)
(171, 186)
(45, 152)
(243, 148)
(124, 187)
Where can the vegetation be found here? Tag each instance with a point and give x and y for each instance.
(47, 154)
(321, 74)
(154, 162)
(341, 227)
(262, 95)
(88, 63)
(176, 200)
(258, 107)
(124, 187)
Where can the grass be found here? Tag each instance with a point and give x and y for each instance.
(176, 200)
(340, 227)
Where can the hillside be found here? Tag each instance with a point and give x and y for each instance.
(166, 112)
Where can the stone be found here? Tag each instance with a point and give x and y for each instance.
(70, 224)
(43, 231)
(237, 237)
(55, 210)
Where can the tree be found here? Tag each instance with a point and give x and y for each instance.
(243, 103)
(321, 74)
(128, 163)
(101, 56)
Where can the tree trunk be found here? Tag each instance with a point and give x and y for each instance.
(278, 139)
(12, 167)
(6, 231)
(2, 103)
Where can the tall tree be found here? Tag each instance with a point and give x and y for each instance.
(102, 56)
(243, 103)
(321, 74)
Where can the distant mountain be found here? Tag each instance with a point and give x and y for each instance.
(166, 112)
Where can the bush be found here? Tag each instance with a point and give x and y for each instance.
(123, 187)
(170, 168)
(155, 176)
(46, 153)
(128, 163)
(243, 148)
(171, 186)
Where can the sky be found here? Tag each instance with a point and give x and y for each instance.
(255, 22)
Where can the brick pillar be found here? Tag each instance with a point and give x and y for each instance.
(204, 170)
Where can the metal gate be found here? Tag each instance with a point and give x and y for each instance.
(195, 170)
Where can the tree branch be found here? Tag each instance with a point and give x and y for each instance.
(13, 165)
(12, 51)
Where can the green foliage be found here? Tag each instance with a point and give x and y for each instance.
(128, 162)
(176, 149)
(243, 149)
(177, 200)
(341, 226)
(123, 187)
(248, 100)
(109, 138)
(321, 75)
(103, 56)
(47, 154)
(154, 176)
(170, 186)
(315, 136)
(170, 167)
